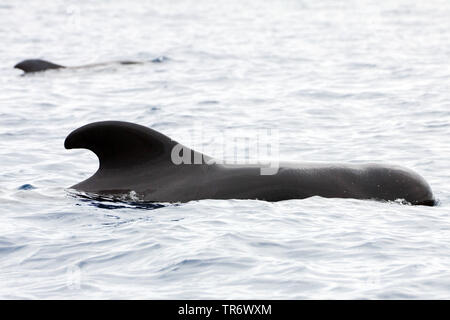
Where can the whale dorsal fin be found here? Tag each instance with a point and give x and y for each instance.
(34, 65)
(120, 144)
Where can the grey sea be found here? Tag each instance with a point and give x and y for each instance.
(337, 81)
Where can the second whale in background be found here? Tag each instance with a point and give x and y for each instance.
(36, 65)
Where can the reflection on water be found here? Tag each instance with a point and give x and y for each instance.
(111, 202)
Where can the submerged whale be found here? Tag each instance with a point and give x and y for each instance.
(134, 158)
(36, 65)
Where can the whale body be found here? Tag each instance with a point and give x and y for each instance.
(36, 65)
(134, 158)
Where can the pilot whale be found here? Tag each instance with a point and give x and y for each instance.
(36, 65)
(134, 158)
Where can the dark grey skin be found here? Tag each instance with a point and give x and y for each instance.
(139, 159)
(36, 65)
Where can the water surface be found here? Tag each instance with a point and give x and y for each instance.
(353, 81)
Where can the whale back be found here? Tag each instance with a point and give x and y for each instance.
(35, 65)
(136, 158)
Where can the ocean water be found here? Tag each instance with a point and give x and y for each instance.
(350, 81)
